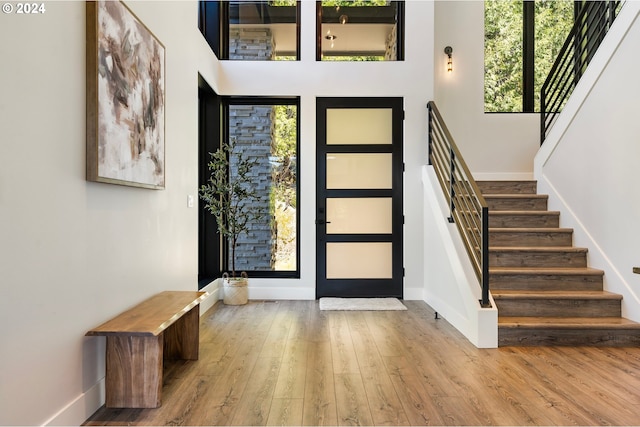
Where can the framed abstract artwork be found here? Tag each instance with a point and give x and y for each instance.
(125, 98)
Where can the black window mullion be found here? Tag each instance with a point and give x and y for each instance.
(528, 56)
(209, 19)
(209, 240)
(360, 238)
(342, 193)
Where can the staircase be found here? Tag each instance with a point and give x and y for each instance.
(543, 288)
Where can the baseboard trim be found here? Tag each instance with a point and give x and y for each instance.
(614, 280)
(413, 294)
(78, 411)
(215, 294)
(281, 293)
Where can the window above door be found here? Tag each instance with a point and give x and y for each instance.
(360, 30)
(252, 30)
(346, 30)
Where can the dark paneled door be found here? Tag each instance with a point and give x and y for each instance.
(359, 218)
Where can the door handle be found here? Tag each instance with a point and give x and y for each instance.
(322, 221)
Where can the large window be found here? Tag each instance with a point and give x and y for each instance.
(522, 40)
(360, 30)
(252, 30)
(266, 130)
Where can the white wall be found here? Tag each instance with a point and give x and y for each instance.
(495, 145)
(74, 253)
(411, 79)
(451, 286)
(589, 162)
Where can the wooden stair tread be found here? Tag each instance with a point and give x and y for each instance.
(537, 249)
(530, 230)
(546, 271)
(555, 295)
(544, 290)
(516, 196)
(524, 212)
(568, 323)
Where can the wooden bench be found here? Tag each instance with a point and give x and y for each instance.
(165, 326)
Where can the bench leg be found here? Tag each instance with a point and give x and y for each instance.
(134, 371)
(182, 339)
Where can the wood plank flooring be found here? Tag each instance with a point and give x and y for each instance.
(288, 363)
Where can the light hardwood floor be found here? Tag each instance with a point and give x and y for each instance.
(288, 363)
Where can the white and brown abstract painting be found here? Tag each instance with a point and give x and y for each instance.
(125, 98)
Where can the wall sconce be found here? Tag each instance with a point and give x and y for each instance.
(448, 51)
(331, 38)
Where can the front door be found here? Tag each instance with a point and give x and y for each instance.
(359, 217)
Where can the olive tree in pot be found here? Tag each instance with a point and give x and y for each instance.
(229, 196)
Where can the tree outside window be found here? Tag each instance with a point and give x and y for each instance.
(505, 49)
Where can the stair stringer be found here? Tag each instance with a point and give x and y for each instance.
(613, 281)
(451, 287)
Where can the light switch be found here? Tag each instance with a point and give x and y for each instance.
(189, 201)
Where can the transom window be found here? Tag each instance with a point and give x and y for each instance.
(252, 30)
(360, 30)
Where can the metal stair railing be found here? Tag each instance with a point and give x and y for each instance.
(467, 208)
(591, 25)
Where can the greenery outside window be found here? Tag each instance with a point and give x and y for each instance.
(522, 40)
(266, 130)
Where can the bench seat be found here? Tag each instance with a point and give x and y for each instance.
(165, 326)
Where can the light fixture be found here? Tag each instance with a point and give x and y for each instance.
(344, 19)
(330, 37)
(448, 51)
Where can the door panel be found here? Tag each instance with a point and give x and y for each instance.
(359, 260)
(359, 197)
(359, 215)
(359, 170)
(368, 126)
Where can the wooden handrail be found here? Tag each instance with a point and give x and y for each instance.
(467, 207)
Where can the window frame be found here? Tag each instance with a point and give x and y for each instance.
(400, 22)
(214, 21)
(208, 230)
(209, 239)
(528, 57)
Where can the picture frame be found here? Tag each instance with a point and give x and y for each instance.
(125, 79)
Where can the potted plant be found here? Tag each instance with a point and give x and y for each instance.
(229, 196)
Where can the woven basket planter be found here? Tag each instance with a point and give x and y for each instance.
(236, 291)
